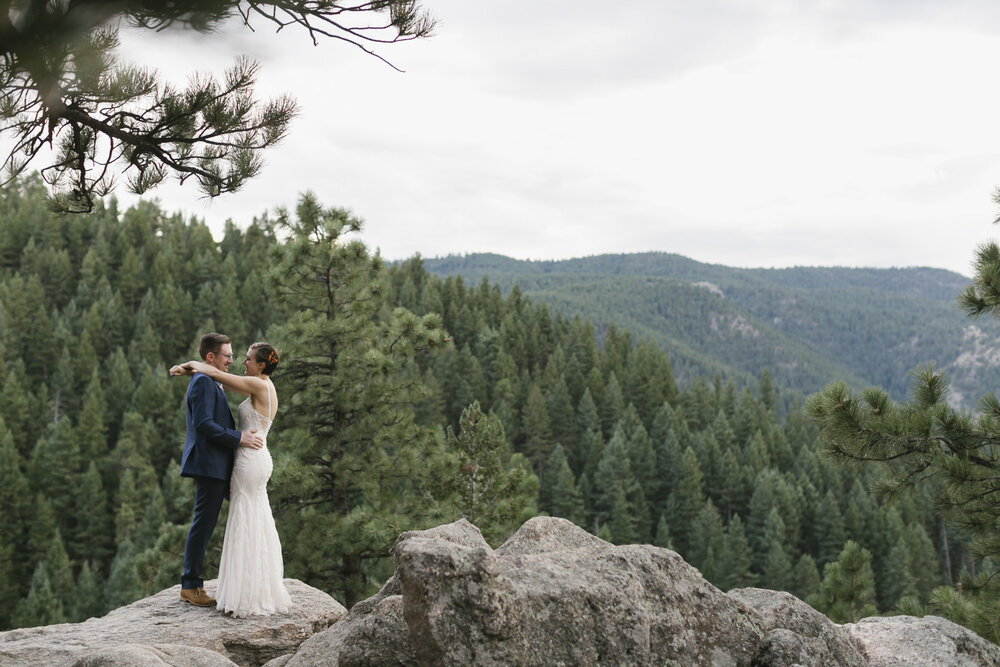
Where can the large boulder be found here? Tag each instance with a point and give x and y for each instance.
(155, 655)
(554, 594)
(375, 632)
(797, 634)
(157, 631)
(931, 640)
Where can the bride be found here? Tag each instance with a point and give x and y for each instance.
(251, 570)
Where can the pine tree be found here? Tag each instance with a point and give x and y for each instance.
(686, 501)
(14, 411)
(41, 606)
(643, 460)
(765, 389)
(828, 527)
(119, 386)
(805, 578)
(535, 426)
(667, 449)
(496, 491)
(649, 379)
(772, 491)
(562, 496)
(123, 586)
(617, 491)
(43, 530)
(925, 568)
(663, 538)
(848, 589)
(60, 571)
(90, 534)
(153, 520)
(614, 405)
(709, 537)
(91, 433)
(61, 386)
(129, 280)
(55, 462)
(355, 469)
(734, 496)
(735, 559)
(86, 595)
(117, 115)
(620, 524)
(562, 423)
(131, 455)
(931, 445)
(177, 494)
(860, 518)
(777, 571)
(900, 580)
(128, 514)
(771, 558)
(587, 417)
(156, 567)
(14, 522)
(10, 583)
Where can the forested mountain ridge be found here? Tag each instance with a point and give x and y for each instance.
(808, 325)
(408, 400)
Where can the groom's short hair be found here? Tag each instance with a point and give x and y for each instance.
(212, 342)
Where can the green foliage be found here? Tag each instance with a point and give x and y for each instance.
(805, 325)
(496, 489)
(62, 80)
(86, 596)
(848, 589)
(561, 494)
(371, 439)
(360, 470)
(735, 558)
(41, 606)
(923, 441)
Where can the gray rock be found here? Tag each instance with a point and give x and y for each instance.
(556, 595)
(157, 655)
(164, 619)
(281, 660)
(373, 633)
(544, 534)
(553, 594)
(931, 640)
(797, 634)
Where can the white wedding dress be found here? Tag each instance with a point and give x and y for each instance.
(251, 570)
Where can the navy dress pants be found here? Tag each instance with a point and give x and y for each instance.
(208, 496)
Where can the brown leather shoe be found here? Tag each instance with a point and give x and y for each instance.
(198, 597)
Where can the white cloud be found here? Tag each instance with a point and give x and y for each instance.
(747, 133)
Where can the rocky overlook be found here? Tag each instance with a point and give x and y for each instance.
(552, 594)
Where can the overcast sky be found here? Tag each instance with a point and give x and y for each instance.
(747, 132)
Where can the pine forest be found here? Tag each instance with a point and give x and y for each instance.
(408, 400)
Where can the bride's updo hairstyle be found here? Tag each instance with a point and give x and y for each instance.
(267, 354)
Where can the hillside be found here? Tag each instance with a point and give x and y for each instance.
(808, 325)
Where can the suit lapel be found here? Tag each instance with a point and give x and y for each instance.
(225, 402)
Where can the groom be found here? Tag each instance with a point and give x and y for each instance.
(209, 449)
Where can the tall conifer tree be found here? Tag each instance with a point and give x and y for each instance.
(356, 470)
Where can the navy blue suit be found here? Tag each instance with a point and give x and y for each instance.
(209, 449)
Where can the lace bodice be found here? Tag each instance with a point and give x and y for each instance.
(251, 420)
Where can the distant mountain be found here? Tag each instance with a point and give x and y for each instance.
(808, 325)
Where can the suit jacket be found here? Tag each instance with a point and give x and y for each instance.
(212, 439)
